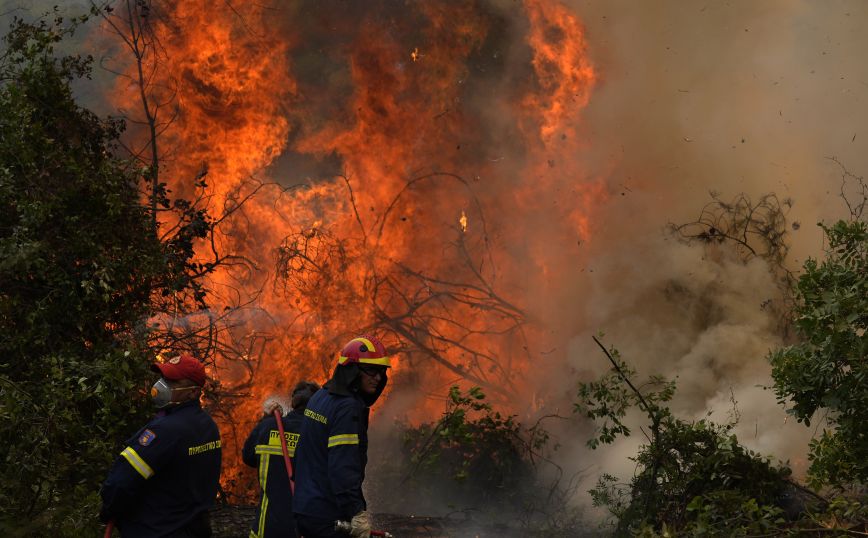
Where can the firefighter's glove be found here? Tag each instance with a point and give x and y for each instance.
(361, 524)
(270, 404)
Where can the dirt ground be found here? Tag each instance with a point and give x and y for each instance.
(230, 521)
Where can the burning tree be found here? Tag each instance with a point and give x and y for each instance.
(430, 315)
(383, 207)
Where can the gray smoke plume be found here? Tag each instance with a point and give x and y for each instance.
(694, 98)
(697, 97)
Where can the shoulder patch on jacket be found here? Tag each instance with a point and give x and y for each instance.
(147, 437)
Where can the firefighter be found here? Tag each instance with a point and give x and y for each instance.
(263, 450)
(333, 449)
(165, 479)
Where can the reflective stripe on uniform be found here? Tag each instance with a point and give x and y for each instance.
(274, 450)
(263, 478)
(263, 508)
(345, 439)
(137, 462)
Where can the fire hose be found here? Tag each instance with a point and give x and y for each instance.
(285, 450)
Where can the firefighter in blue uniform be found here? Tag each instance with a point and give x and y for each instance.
(333, 448)
(166, 477)
(263, 450)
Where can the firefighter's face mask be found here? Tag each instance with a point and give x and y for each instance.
(163, 395)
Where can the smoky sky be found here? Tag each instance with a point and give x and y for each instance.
(731, 96)
(697, 98)
(694, 98)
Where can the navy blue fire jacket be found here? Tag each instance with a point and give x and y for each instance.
(262, 450)
(165, 479)
(331, 457)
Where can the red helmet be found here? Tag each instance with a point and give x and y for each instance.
(183, 366)
(364, 350)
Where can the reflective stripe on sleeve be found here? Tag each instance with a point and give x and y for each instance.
(137, 462)
(346, 439)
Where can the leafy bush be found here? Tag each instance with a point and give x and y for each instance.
(486, 463)
(487, 447)
(80, 264)
(691, 477)
(828, 369)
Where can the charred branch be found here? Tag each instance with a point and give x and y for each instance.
(756, 229)
(853, 190)
(453, 317)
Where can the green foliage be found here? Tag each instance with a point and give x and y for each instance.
(80, 264)
(731, 513)
(842, 512)
(828, 370)
(691, 477)
(473, 444)
(607, 400)
(485, 462)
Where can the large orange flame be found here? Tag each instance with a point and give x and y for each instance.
(414, 165)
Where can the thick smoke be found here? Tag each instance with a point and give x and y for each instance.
(698, 97)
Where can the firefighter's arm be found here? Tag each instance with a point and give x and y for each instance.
(344, 460)
(119, 491)
(248, 453)
(144, 456)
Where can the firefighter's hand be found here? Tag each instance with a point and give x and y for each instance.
(270, 404)
(361, 524)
